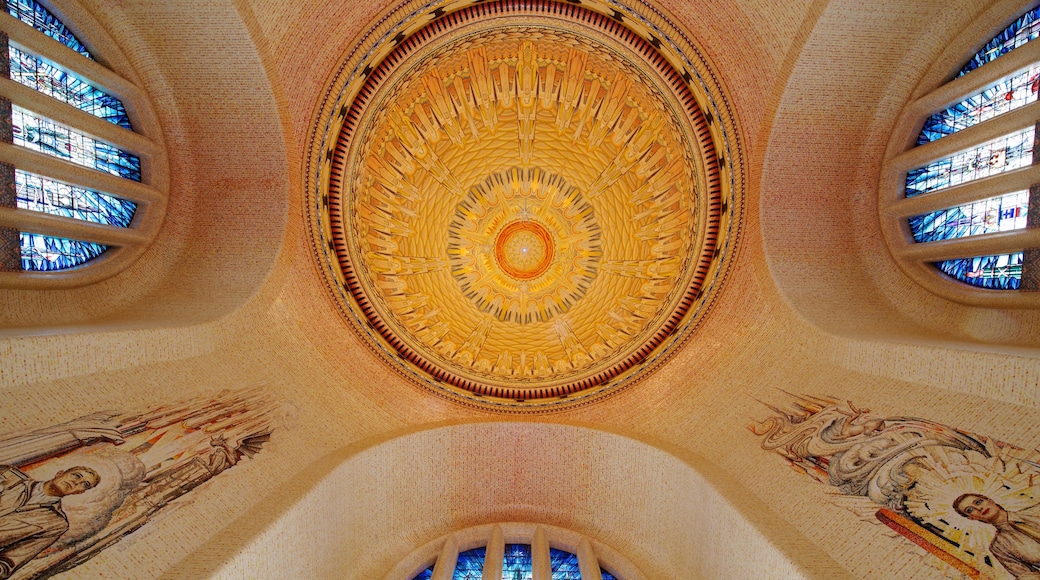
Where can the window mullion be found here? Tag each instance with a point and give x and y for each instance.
(70, 116)
(444, 568)
(981, 245)
(495, 555)
(1014, 180)
(921, 155)
(72, 228)
(68, 172)
(587, 561)
(541, 567)
(10, 238)
(65, 58)
(945, 95)
(1031, 256)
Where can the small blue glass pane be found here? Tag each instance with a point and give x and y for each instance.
(1021, 31)
(40, 134)
(425, 574)
(1007, 95)
(40, 75)
(41, 19)
(44, 195)
(470, 565)
(994, 157)
(606, 575)
(45, 253)
(516, 563)
(1003, 272)
(564, 565)
(996, 214)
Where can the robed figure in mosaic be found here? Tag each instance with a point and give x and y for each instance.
(31, 518)
(69, 491)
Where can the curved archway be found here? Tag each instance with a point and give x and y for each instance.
(359, 512)
(226, 215)
(819, 190)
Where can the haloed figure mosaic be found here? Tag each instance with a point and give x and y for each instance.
(971, 501)
(1017, 542)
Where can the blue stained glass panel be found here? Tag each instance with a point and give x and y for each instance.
(40, 134)
(44, 195)
(1007, 95)
(1001, 272)
(994, 157)
(41, 19)
(516, 564)
(606, 575)
(46, 253)
(564, 565)
(996, 214)
(470, 565)
(40, 75)
(425, 574)
(1021, 31)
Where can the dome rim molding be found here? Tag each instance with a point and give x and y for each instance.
(389, 31)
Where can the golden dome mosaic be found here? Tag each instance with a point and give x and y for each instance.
(522, 204)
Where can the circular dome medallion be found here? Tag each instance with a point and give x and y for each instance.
(523, 204)
(524, 249)
(524, 246)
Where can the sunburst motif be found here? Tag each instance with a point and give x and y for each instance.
(559, 226)
(526, 206)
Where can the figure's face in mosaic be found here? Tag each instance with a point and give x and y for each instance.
(75, 480)
(978, 507)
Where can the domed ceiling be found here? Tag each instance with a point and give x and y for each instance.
(524, 204)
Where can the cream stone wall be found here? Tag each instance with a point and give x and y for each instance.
(231, 296)
(357, 519)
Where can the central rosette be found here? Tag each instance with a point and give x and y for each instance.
(524, 249)
(524, 245)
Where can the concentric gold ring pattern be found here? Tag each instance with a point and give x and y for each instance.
(524, 249)
(526, 205)
(488, 263)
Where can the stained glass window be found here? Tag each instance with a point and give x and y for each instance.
(1007, 95)
(44, 195)
(564, 565)
(606, 575)
(47, 253)
(991, 158)
(1002, 213)
(996, 214)
(36, 193)
(40, 75)
(1001, 272)
(1021, 31)
(516, 564)
(470, 565)
(41, 19)
(40, 134)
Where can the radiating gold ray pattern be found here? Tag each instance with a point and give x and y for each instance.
(524, 201)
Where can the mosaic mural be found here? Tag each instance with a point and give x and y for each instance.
(71, 490)
(971, 501)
